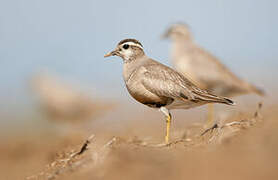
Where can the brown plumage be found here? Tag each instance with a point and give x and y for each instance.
(158, 86)
(161, 84)
(203, 68)
(129, 40)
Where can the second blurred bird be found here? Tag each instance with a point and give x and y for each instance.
(204, 69)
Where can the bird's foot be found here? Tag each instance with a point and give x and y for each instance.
(173, 143)
(153, 145)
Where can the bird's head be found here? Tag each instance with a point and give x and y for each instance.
(128, 50)
(179, 31)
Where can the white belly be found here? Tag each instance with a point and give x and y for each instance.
(179, 104)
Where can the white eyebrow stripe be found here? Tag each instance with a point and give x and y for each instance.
(134, 44)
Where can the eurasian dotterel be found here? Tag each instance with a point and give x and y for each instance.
(158, 86)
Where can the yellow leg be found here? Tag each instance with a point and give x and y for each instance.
(210, 124)
(168, 123)
(210, 118)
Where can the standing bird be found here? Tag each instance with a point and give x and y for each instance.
(204, 69)
(158, 86)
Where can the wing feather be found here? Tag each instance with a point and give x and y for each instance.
(166, 82)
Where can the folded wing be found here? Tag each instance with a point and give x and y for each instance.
(165, 82)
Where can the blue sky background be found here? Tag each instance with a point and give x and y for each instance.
(69, 39)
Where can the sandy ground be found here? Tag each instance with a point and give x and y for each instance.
(126, 148)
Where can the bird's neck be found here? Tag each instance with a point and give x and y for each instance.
(131, 57)
(181, 46)
(130, 66)
(184, 43)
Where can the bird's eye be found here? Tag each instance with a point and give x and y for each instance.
(125, 46)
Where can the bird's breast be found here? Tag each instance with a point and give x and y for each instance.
(142, 95)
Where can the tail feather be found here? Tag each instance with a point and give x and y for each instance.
(254, 89)
(258, 91)
(216, 99)
(222, 100)
(228, 101)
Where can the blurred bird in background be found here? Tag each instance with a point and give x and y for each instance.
(204, 69)
(64, 102)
